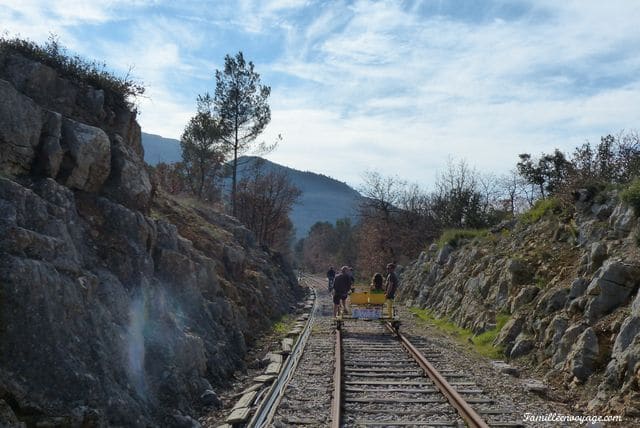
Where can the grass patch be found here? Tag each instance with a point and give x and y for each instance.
(482, 344)
(540, 209)
(631, 195)
(454, 237)
(283, 325)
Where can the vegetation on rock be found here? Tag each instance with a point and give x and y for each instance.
(631, 195)
(75, 68)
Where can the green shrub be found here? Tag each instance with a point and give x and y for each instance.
(482, 344)
(631, 195)
(540, 209)
(75, 68)
(284, 324)
(454, 236)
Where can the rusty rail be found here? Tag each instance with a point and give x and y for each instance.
(470, 416)
(336, 403)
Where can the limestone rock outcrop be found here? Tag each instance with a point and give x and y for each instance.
(568, 288)
(117, 307)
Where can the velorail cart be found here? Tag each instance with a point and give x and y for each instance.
(367, 306)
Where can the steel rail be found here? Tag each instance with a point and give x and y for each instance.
(470, 416)
(336, 403)
(267, 408)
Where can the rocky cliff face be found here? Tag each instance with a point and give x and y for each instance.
(119, 306)
(568, 285)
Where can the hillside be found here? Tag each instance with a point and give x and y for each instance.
(159, 149)
(323, 198)
(119, 305)
(555, 291)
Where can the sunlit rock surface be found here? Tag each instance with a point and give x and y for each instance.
(118, 306)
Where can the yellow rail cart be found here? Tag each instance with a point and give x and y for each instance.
(367, 306)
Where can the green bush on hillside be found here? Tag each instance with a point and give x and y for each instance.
(540, 209)
(74, 68)
(631, 195)
(453, 237)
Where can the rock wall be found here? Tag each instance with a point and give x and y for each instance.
(119, 306)
(569, 286)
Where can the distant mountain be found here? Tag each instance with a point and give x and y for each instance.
(159, 149)
(323, 198)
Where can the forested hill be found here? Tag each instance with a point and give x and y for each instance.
(323, 198)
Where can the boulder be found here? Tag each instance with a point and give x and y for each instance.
(623, 369)
(508, 334)
(476, 286)
(129, 182)
(590, 231)
(210, 398)
(552, 301)
(611, 287)
(622, 220)
(526, 295)
(21, 122)
(522, 346)
(87, 161)
(597, 255)
(554, 333)
(577, 305)
(578, 287)
(505, 368)
(443, 255)
(50, 152)
(583, 357)
(629, 330)
(602, 211)
(635, 306)
(566, 344)
(233, 260)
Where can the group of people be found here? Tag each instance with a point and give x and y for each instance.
(342, 283)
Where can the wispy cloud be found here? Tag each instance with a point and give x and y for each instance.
(387, 85)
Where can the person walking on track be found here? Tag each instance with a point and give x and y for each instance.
(391, 286)
(331, 276)
(341, 287)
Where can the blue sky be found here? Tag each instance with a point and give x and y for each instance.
(393, 86)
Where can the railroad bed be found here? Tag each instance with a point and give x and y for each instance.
(384, 385)
(377, 383)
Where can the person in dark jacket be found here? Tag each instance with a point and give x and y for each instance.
(331, 276)
(341, 287)
(391, 286)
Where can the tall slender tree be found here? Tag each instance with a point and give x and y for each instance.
(241, 104)
(203, 149)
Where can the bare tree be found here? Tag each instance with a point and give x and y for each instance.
(457, 200)
(264, 201)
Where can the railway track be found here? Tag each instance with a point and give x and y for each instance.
(367, 374)
(387, 381)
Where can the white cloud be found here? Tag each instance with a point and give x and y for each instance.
(377, 84)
